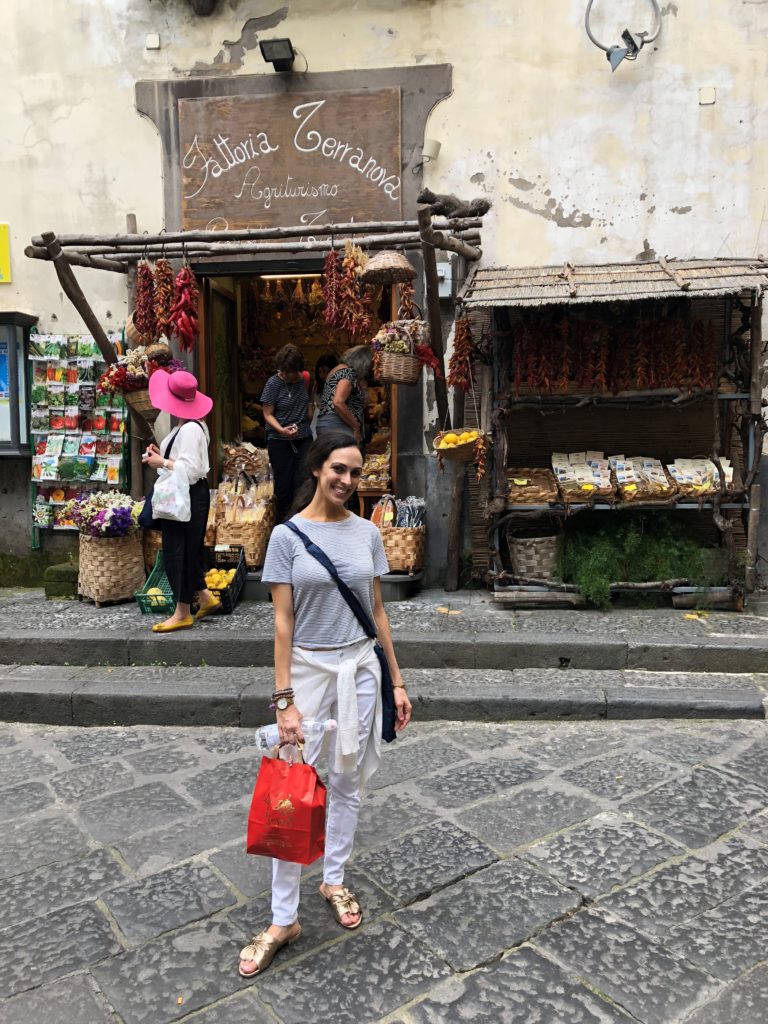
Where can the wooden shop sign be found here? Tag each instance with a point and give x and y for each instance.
(311, 158)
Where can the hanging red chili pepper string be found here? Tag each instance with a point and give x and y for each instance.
(183, 315)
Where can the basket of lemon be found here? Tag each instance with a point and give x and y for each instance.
(226, 576)
(458, 444)
(156, 595)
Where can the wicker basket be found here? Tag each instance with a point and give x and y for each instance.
(399, 368)
(111, 568)
(138, 402)
(387, 267)
(404, 547)
(534, 557)
(461, 452)
(251, 537)
(151, 543)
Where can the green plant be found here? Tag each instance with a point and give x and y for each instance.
(636, 548)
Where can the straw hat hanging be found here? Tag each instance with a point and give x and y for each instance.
(387, 267)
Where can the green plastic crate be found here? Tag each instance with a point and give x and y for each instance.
(154, 603)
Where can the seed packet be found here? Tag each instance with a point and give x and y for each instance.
(72, 341)
(55, 444)
(87, 445)
(61, 519)
(40, 444)
(72, 419)
(40, 418)
(99, 422)
(87, 347)
(50, 467)
(87, 393)
(103, 400)
(104, 446)
(56, 347)
(42, 514)
(37, 346)
(37, 467)
(86, 421)
(39, 372)
(116, 424)
(99, 469)
(113, 468)
(38, 394)
(72, 395)
(56, 394)
(71, 444)
(57, 372)
(81, 468)
(55, 419)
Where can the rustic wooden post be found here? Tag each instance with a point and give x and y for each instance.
(136, 443)
(75, 295)
(753, 522)
(454, 527)
(432, 286)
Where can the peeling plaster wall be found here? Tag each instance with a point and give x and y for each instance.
(582, 164)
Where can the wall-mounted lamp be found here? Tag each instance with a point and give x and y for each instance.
(278, 52)
(633, 41)
(429, 151)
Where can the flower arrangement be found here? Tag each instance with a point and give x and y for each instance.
(104, 514)
(132, 371)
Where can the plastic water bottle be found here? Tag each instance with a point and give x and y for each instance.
(268, 736)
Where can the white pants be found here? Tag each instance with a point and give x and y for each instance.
(343, 787)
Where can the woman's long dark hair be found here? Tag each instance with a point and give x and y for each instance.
(316, 456)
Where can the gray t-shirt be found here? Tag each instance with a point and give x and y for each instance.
(322, 618)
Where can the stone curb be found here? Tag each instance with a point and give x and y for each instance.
(172, 699)
(415, 650)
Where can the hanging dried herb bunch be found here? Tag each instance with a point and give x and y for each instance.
(331, 286)
(355, 313)
(406, 300)
(163, 295)
(144, 315)
(462, 357)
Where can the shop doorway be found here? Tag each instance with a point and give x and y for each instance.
(246, 319)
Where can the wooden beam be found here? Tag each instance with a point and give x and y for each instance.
(753, 523)
(432, 295)
(675, 275)
(294, 231)
(72, 290)
(567, 273)
(454, 527)
(39, 252)
(757, 358)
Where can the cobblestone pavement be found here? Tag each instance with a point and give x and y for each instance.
(588, 873)
(430, 612)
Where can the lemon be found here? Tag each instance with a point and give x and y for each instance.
(451, 439)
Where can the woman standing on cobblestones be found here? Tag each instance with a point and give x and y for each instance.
(326, 666)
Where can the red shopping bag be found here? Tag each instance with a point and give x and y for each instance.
(287, 815)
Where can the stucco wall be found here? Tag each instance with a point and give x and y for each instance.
(581, 164)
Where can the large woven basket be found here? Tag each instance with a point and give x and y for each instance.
(404, 547)
(111, 568)
(138, 402)
(399, 368)
(387, 267)
(251, 537)
(534, 557)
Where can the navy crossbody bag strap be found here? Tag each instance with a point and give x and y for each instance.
(318, 553)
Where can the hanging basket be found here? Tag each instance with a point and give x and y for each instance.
(534, 557)
(462, 452)
(138, 402)
(111, 568)
(404, 547)
(399, 368)
(387, 267)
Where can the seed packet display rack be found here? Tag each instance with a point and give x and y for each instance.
(78, 433)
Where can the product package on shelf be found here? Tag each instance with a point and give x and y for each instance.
(642, 479)
(583, 476)
(531, 486)
(699, 477)
(243, 513)
(375, 474)
(243, 457)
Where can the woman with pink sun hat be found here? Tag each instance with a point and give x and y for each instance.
(183, 543)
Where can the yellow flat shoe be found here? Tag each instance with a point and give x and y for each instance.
(207, 609)
(186, 623)
(261, 951)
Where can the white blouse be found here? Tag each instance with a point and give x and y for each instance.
(190, 448)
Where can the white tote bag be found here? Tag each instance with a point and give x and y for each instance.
(170, 498)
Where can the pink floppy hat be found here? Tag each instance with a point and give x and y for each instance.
(177, 394)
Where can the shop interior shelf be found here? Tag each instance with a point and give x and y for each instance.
(625, 506)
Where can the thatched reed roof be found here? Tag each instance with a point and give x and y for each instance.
(612, 282)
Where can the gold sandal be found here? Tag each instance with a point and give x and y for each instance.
(261, 951)
(344, 902)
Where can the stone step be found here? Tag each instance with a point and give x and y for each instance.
(238, 696)
(460, 649)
